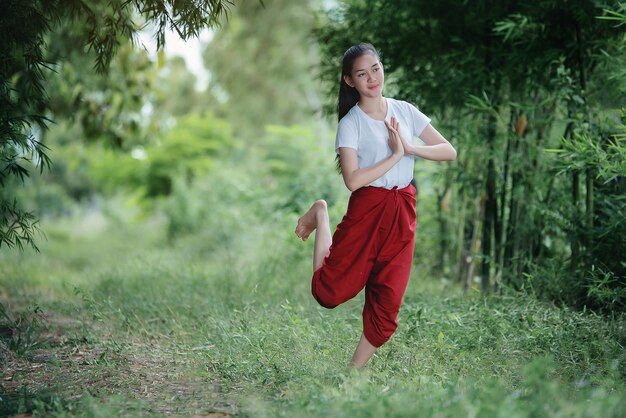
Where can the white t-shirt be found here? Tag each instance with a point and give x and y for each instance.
(369, 137)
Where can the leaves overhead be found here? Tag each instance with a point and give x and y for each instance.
(100, 28)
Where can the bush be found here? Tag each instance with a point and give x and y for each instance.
(189, 149)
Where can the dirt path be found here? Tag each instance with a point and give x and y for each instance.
(63, 365)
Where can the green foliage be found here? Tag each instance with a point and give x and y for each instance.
(618, 15)
(229, 325)
(299, 164)
(555, 73)
(24, 103)
(175, 93)
(600, 282)
(108, 171)
(18, 227)
(210, 205)
(587, 151)
(210, 293)
(187, 150)
(110, 108)
(47, 200)
(263, 65)
(284, 172)
(83, 171)
(19, 333)
(605, 290)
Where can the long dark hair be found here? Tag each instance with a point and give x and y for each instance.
(349, 96)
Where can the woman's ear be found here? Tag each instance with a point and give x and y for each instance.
(348, 80)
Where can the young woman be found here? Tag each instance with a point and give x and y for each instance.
(372, 247)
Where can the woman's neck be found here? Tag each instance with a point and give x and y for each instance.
(374, 106)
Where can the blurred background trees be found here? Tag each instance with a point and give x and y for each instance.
(37, 39)
(263, 64)
(532, 97)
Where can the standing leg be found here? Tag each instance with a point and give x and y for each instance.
(389, 276)
(387, 283)
(364, 351)
(383, 296)
(316, 218)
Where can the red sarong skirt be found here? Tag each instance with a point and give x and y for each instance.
(372, 248)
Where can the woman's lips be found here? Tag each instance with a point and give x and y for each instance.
(374, 87)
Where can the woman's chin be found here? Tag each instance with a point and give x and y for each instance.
(374, 92)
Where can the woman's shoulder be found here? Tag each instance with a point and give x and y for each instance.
(407, 109)
(400, 104)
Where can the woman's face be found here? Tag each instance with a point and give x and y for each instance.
(367, 76)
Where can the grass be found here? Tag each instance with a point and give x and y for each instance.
(131, 325)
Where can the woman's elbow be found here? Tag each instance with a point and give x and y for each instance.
(452, 153)
(351, 186)
(449, 154)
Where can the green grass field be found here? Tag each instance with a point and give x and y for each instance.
(112, 320)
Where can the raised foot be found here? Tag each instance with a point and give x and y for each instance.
(308, 222)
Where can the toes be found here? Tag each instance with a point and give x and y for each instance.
(301, 232)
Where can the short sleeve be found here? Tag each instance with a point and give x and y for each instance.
(347, 135)
(419, 120)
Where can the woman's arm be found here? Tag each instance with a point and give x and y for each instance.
(356, 177)
(437, 148)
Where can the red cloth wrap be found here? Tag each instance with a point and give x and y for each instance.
(372, 248)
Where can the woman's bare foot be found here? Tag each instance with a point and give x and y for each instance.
(308, 222)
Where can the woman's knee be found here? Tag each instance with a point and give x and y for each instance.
(329, 296)
(326, 301)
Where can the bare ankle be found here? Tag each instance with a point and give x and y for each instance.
(321, 203)
(321, 216)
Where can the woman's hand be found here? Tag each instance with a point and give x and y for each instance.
(396, 140)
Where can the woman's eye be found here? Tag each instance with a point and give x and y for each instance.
(375, 69)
